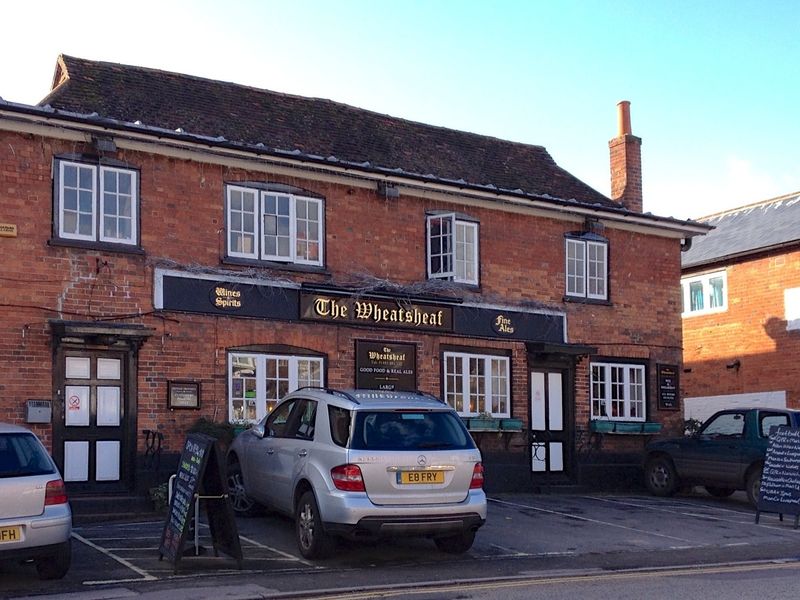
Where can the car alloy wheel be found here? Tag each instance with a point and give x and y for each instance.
(242, 503)
(312, 540)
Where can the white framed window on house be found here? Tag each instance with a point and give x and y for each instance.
(475, 383)
(618, 391)
(452, 248)
(275, 226)
(703, 294)
(96, 203)
(587, 267)
(256, 382)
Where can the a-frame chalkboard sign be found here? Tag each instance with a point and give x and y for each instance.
(201, 474)
(780, 480)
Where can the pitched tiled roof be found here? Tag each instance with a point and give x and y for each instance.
(753, 228)
(311, 126)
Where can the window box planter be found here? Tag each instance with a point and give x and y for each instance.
(651, 428)
(479, 424)
(602, 426)
(628, 427)
(511, 424)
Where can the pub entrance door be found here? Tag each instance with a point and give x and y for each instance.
(550, 432)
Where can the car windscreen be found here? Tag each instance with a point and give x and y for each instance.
(409, 430)
(22, 455)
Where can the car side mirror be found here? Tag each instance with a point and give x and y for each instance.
(258, 430)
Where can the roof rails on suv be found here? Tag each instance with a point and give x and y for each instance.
(330, 391)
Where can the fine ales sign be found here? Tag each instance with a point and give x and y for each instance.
(380, 313)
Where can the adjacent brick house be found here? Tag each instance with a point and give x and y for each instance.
(179, 247)
(741, 309)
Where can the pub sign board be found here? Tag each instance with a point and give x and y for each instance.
(395, 314)
(668, 389)
(385, 365)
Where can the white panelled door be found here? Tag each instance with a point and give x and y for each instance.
(548, 433)
(90, 440)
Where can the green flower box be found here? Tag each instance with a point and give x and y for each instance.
(511, 424)
(477, 424)
(628, 428)
(602, 426)
(651, 428)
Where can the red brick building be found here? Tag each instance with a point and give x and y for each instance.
(176, 247)
(741, 309)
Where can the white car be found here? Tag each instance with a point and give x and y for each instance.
(362, 464)
(35, 516)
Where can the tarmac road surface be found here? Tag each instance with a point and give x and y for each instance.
(525, 535)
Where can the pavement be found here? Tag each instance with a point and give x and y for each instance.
(526, 535)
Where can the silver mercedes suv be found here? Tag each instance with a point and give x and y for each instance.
(362, 464)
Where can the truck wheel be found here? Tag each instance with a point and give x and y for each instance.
(455, 544)
(312, 539)
(718, 492)
(753, 486)
(660, 476)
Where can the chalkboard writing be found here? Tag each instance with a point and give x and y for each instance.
(200, 474)
(668, 387)
(780, 480)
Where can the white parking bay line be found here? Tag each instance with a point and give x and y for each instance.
(145, 575)
(280, 552)
(588, 520)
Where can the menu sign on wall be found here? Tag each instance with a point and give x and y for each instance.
(668, 394)
(386, 366)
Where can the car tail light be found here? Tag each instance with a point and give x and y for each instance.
(477, 477)
(348, 478)
(55, 493)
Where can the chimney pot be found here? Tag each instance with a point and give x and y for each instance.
(626, 162)
(624, 117)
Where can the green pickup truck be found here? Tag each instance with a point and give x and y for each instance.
(725, 455)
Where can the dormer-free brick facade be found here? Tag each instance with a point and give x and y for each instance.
(189, 249)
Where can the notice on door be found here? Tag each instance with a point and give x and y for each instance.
(386, 365)
(77, 405)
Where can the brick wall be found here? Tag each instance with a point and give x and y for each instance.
(182, 226)
(752, 330)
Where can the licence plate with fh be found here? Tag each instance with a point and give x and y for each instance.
(10, 534)
(420, 477)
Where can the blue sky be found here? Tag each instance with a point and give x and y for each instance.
(713, 85)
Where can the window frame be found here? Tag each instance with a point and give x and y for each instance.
(585, 277)
(462, 406)
(599, 405)
(98, 190)
(259, 252)
(705, 280)
(457, 235)
(264, 404)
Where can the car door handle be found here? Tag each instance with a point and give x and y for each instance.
(270, 451)
(303, 452)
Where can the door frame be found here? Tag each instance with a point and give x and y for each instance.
(566, 367)
(124, 341)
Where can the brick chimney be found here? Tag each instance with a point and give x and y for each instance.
(626, 162)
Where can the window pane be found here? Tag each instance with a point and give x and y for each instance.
(696, 295)
(716, 295)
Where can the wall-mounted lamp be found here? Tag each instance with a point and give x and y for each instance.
(388, 190)
(734, 365)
